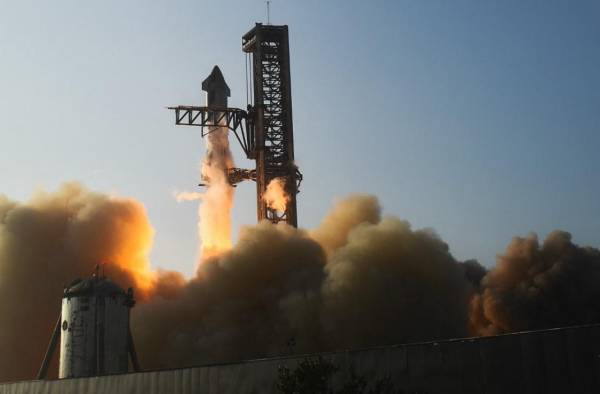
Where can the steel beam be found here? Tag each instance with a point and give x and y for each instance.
(235, 119)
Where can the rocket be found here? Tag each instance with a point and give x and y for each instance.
(217, 93)
(216, 89)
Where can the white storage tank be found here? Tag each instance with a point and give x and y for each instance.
(95, 337)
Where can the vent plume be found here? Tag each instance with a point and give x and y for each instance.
(275, 196)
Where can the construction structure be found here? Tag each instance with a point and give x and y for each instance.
(265, 129)
(93, 326)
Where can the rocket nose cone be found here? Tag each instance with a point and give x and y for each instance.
(216, 72)
(215, 82)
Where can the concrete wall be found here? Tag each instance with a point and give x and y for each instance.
(563, 360)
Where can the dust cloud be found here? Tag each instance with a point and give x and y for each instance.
(358, 279)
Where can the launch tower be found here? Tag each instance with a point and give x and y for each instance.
(274, 134)
(265, 129)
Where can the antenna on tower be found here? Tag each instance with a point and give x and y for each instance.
(268, 12)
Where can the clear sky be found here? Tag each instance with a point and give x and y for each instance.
(480, 119)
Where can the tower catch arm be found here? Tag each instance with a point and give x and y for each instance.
(237, 120)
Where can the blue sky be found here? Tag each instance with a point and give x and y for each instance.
(479, 119)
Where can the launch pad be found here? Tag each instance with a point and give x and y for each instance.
(265, 129)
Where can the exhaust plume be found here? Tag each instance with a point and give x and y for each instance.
(214, 210)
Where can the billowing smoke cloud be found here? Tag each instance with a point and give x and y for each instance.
(45, 244)
(389, 284)
(356, 280)
(248, 302)
(347, 214)
(533, 287)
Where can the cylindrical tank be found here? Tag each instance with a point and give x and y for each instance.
(95, 328)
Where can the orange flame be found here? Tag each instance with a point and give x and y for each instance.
(127, 246)
(275, 196)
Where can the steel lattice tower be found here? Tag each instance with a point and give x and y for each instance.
(274, 137)
(265, 130)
